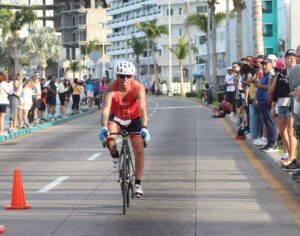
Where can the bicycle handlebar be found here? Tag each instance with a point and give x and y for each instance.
(124, 134)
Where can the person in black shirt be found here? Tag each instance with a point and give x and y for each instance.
(51, 96)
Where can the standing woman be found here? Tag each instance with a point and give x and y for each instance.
(4, 102)
(26, 103)
(280, 88)
(76, 96)
(68, 92)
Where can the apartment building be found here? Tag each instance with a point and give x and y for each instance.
(292, 19)
(81, 22)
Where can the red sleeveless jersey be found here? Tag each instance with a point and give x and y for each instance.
(126, 108)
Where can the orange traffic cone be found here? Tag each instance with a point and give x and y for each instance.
(2, 229)
(18, 198)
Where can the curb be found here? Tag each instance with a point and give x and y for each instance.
(268, 160)
(45, 125)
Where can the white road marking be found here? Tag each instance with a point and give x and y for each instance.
(53, 184)
(94, 157)
(181, 107)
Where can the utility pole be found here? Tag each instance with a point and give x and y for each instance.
(228, 59)
(190, 76)
(170, 53)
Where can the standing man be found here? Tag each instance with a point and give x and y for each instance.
(265, 110)
(124, 107)
(89, 86)
(51, 97)
(230, 90)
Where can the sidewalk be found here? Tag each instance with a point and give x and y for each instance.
(84, 110)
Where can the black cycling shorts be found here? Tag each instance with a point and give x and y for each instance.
(134, 126)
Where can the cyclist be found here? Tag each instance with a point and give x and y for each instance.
(124, 105)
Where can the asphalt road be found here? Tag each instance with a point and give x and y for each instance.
(197, 181)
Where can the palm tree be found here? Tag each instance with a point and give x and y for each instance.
(153, 31)
(88, 47)
(138, 46)
(239, 6)
(201, 21)
(74, 66)
(257, 34)
(43, 44)
(181, 51)
(12, 22)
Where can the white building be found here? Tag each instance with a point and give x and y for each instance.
(292, 19)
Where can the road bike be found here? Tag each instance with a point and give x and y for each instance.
(126, 168)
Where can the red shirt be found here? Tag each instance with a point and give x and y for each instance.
(126, 108)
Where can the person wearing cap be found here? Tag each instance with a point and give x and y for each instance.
(230, 89)
(279, 86)
(124, 107)
(264, 108)
(293, 74)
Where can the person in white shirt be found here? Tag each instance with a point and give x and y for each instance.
(230, 89)
(26, 103)
(62, 96)
(4, 102)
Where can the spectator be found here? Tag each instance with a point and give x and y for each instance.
(230, 90)
(279, 87)
(25, 104)
(62, 96)
(89, 86)
(43, 101)
(4, 102)
(76, 96)
(294, 84)
(15, 102)
(240, 96)
(36, 99)
(265, 110)
(51, 97)
(68, 93)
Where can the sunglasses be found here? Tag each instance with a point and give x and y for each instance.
(125, 76)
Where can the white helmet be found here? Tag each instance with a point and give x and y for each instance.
(125, 68)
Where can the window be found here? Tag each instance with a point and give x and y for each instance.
(180, 11)
(268, 30)
(202, 40)
(82, 20)
(180, 32)
(74, 21)
(83, 35)
(73, 54)
(68, 53)
(74, 37)
(172, 12)
(267, 6)
(202, 9)
(268, 51)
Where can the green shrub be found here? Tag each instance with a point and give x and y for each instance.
(191, 94)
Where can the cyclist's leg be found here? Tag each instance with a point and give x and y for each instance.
(111, 139)
(138, 150)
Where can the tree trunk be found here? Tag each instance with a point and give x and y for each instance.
(15, 54)
(207, 49)
(239, 35)
(181, 78)
(214, 53)
(155, 69)
(257, 34)
(138, 68)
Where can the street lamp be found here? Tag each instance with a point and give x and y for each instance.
(228, 59)
(170, 46)
(147, 6)
(103, 49)
(190, 50)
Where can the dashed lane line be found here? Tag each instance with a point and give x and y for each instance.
(53, 184)
(94, 157)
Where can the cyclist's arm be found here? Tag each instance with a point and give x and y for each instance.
(141, 96)
(107, 98)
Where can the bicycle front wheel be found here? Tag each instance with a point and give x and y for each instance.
(124, 185)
